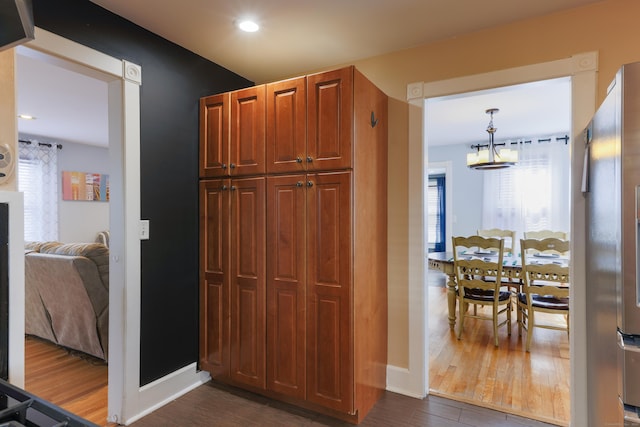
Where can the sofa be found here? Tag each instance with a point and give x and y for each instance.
(67, 295)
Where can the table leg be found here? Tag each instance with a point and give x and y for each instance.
(451, 299)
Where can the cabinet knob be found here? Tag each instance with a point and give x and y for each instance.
(232, 165)
(299, 159)
(224, 166)
(224, 187)
(309, 184)
(309, 159)
(299, 184)
(233, 188)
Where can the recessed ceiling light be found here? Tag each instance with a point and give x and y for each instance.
(26, 117)
(248, 26)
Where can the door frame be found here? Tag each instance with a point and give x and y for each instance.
(582, 68)
(128, 401)
(123, 80)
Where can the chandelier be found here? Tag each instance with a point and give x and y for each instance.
(487, 156)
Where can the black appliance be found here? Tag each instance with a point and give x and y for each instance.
(19, 408)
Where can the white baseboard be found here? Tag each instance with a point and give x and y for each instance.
(168, 388)
(400, 380)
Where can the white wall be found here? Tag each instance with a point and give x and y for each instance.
(80, 221)
(466, 188)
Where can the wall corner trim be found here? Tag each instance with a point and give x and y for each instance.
(132, 72)
(414, 91)
(587, 61)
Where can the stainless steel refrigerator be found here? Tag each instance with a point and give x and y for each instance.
(611, 187)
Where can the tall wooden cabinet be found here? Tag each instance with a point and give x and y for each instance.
(293, 249)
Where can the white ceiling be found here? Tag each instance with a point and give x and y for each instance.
(298, 36)
(67, 105)
(530, 110)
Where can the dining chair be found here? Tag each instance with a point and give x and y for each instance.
(545, 234)
(510, 235)
(471, 267)
(545, 284)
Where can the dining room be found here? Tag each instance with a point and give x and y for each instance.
(474, 185)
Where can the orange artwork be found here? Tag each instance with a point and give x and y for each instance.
(85, 186)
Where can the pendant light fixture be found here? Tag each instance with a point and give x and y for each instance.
(487, 156)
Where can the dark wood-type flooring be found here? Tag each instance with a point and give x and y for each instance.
(215, 405)
(79, 385)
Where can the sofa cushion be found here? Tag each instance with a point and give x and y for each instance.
(38, 246)
(96, 252)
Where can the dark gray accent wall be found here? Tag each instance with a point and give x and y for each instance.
(4, 291)
(173, 80)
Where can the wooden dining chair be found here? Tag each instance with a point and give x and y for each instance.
(545, 234)
(545, 284)
(471, 271)
(509, 235)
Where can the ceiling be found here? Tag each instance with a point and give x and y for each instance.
(298, 36)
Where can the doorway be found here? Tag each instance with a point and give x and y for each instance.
(582, 68)
(123, 80)
(471, 369)
(69, 133)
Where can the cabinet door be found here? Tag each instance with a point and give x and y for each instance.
(286, 126)
(329, 273)
(214, 135)
(286, 246)
(330, 119)
(214, 277)
(247, 152)
(248, 321)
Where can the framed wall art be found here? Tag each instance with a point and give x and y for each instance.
(85, 186)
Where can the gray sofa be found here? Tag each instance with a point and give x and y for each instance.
(67, 295)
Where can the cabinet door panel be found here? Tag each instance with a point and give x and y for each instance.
(247, 148)
(329, 272)
(214, 135)
(214, 277)
(286, 276)
(286, 126)
(330, 119)
(248, 281)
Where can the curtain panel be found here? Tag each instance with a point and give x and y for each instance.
(533, 195)
(38, 180)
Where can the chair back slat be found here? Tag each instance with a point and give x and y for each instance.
(472, 267)
(508, 235)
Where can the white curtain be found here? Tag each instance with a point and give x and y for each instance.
(534, 194)
(38, 180)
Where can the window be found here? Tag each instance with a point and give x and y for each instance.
(436, 213)
(38, 180)
(533, 195)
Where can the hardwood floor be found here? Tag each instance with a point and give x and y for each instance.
(77, 383)
(507, 378)
(515, 388)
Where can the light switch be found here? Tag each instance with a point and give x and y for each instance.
(144, 229)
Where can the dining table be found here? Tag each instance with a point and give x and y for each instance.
(511, 269)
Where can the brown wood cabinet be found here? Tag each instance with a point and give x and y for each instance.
(299, 310)
(232, 276)
(232, 133)
(215, 293)
(286, 284)
(310, 122)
